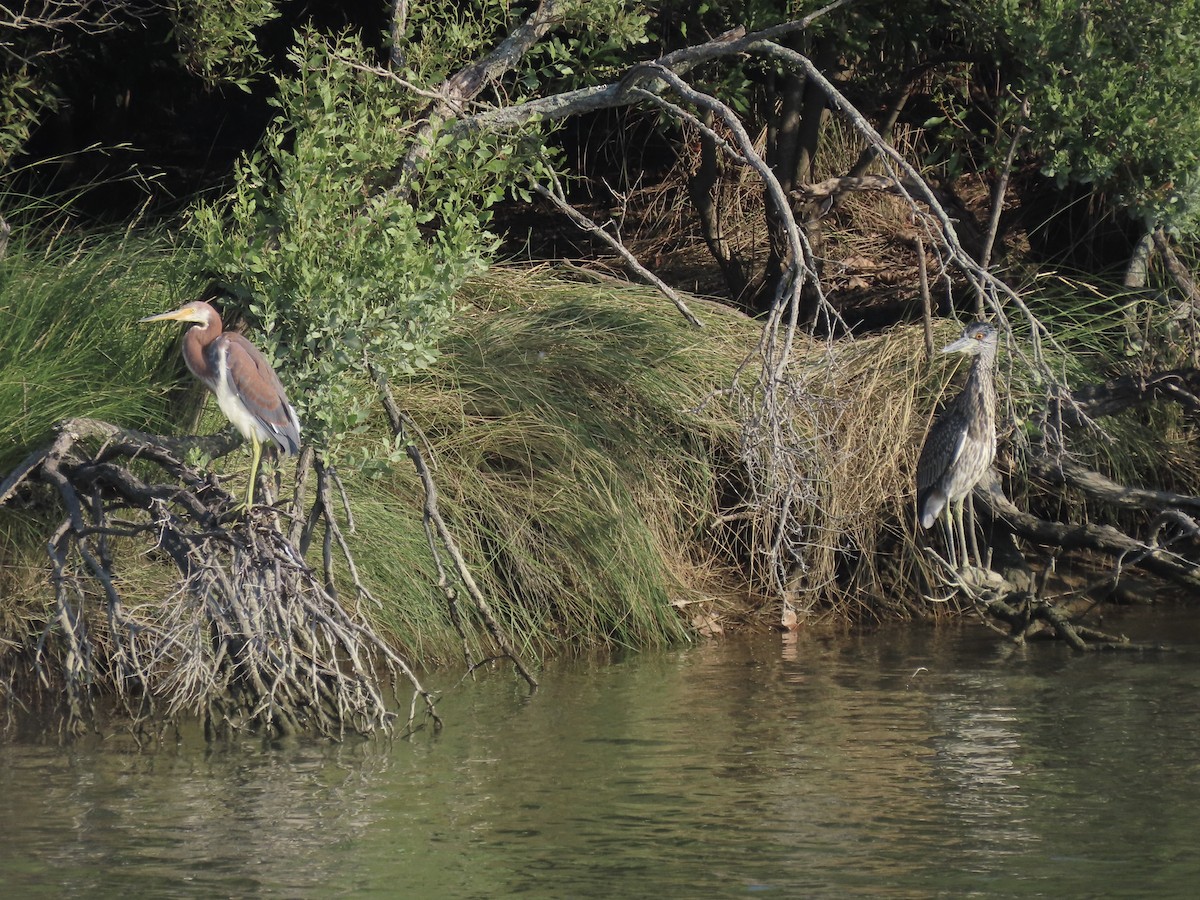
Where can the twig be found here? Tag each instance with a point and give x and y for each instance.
(926, 297)
(400, 428)
(557, 197)
(998, 193)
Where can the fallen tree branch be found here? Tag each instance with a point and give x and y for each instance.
(1101, 538)
(1066, 471)
(1118, 394)
(250, 638)
(1021, 614)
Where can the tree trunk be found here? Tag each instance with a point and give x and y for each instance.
(705, 190)
(792, 143)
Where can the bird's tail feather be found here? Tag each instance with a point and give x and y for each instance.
(930, 506)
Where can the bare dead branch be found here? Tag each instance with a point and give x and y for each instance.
(468, 82)
(403, 428)
(704, 190)
(801, 254)
(32, 32)
(926, 297)
(558, 198)
(608, 96)
(398, 26)
(1065, 471)
(1102, 538)
(998, 194)
(250, 638)
(1115, 395)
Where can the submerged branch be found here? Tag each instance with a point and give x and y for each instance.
(1022, 613)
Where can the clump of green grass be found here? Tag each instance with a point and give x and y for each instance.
(576, 457)
(70, 344)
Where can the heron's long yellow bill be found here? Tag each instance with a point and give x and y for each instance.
(183, 314)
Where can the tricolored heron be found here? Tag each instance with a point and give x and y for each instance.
(247, 388)
(961, 445)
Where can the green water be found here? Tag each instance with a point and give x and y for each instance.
(904, 763)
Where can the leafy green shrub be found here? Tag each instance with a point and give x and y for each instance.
(1110, 88)
(336, 262)
(217, 40)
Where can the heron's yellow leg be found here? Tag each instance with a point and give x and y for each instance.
(965, 559)
(257, 458)
(970, 504)
(947, 518)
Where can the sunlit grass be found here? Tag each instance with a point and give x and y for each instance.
(585, 455)
(571, 461)
(572, 430)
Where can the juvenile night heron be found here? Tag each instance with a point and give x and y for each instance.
(961, 445)
(247, 388)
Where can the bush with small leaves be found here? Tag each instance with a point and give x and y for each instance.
(343, 246)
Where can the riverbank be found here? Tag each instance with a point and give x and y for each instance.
(588, 453)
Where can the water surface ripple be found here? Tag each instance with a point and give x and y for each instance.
(902, 763)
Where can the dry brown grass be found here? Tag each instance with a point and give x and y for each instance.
(866, 405)
(878, 403)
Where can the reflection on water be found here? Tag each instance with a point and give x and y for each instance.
(905, 763)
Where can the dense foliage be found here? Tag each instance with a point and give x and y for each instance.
(1110, 90)
(332, 267)
(1104, 89)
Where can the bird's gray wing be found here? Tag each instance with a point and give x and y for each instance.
(941, 453)
(260, 389)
